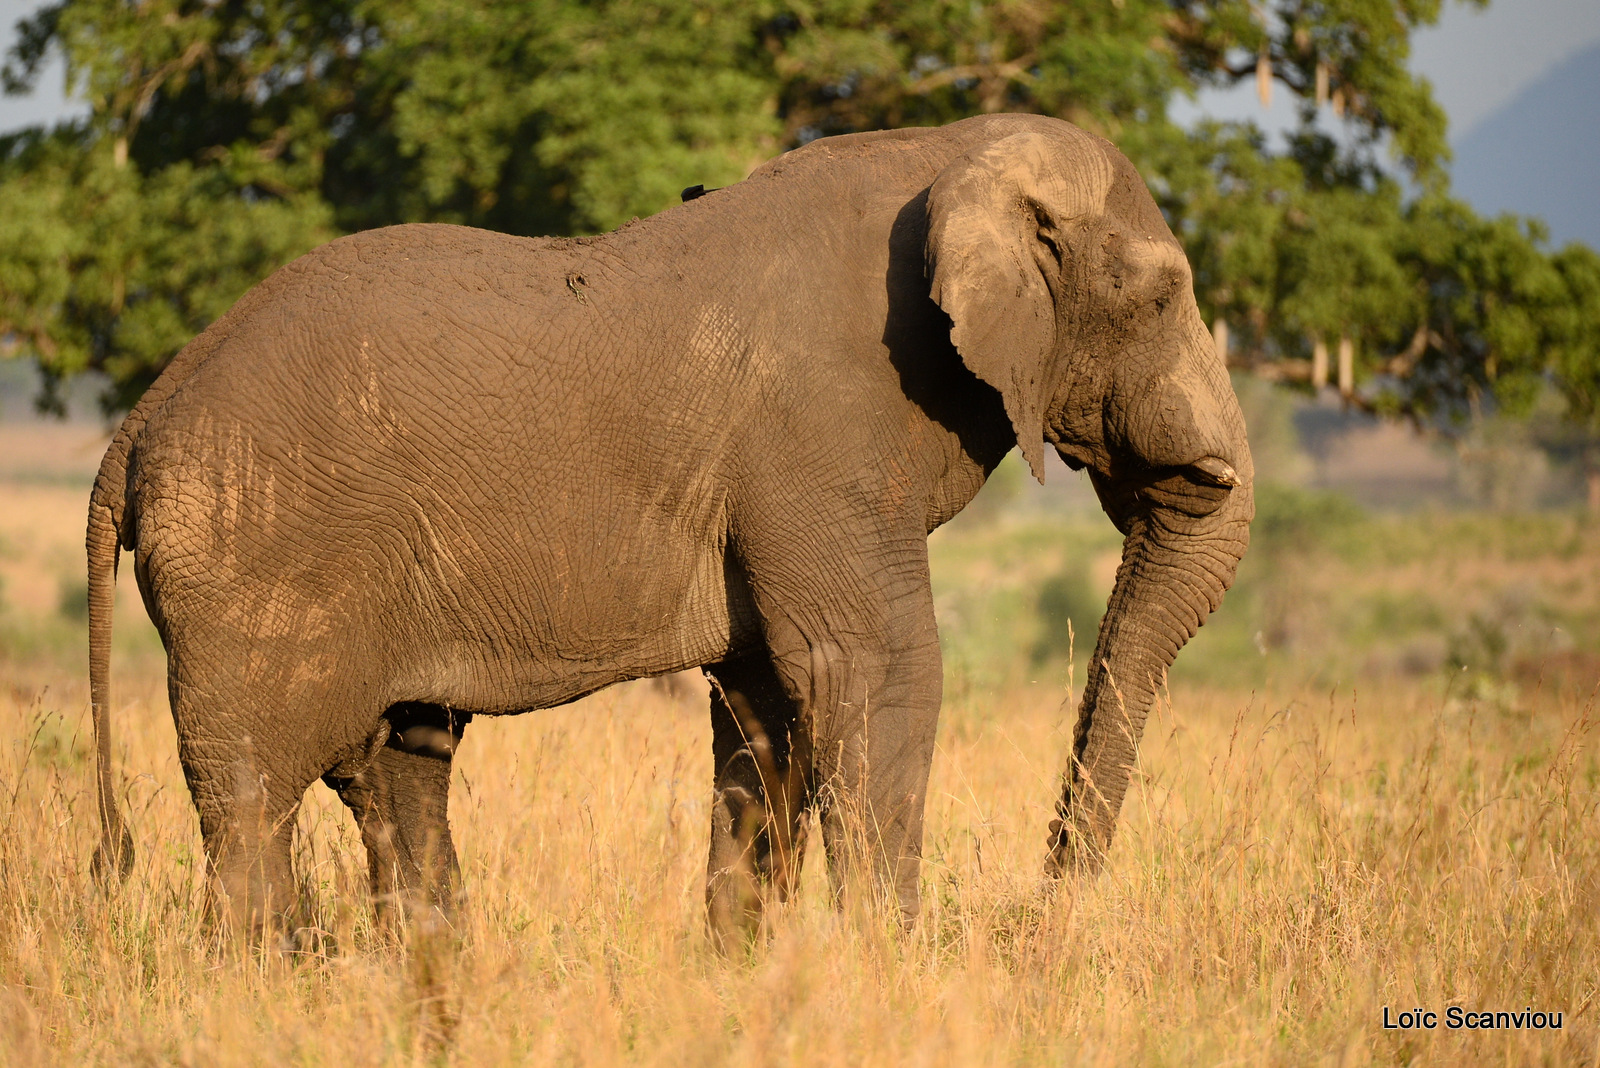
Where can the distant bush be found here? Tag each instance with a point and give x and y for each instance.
(1289, 518)
(72, 600)
(1069, 612)
(1003, 488)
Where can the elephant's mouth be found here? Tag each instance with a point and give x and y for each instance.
(1196, 489)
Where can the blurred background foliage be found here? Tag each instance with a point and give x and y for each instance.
(1455, 580)
(226, 136)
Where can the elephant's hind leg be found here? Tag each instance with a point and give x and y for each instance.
(247, 783)
(400, 800)
(763, 787)
(247, 822)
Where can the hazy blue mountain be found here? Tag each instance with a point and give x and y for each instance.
(1540, 153)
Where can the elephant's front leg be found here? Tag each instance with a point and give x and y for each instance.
(763, 787)
(401, 803)
(854, 643)
(874, 751)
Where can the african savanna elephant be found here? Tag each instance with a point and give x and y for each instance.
(427, 472)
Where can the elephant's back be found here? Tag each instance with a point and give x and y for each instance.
(372, 337)
(390, 281)
(381, 368)
(409, 435)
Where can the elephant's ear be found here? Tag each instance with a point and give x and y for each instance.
(996, 217)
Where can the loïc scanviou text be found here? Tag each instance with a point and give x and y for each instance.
(1457, 1018)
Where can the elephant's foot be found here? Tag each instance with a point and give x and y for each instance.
(253, 900)
(248, 831)
(734, 887)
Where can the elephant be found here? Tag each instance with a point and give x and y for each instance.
(427, 473)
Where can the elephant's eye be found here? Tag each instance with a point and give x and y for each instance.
(1048, 238)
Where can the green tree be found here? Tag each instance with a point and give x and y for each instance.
(1573, 342)
(226, 136)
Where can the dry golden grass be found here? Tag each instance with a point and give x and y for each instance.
(1290, 864)
(1290, 861)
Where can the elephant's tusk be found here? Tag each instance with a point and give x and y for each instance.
(1217, 472)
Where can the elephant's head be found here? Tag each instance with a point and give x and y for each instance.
(1067, 292)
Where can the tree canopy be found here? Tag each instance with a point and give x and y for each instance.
(224, 137)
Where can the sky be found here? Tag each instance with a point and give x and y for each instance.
(1480, 61)
(48, 102)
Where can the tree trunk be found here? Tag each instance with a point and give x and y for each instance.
(1319, 363)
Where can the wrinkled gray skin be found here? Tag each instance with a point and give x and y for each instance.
(426, 473)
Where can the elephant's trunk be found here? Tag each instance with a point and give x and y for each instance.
(1169, 581)
(1186, 522)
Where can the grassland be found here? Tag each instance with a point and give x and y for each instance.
(1374, 782)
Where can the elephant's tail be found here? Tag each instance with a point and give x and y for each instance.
(115, 855)
(112, 523)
